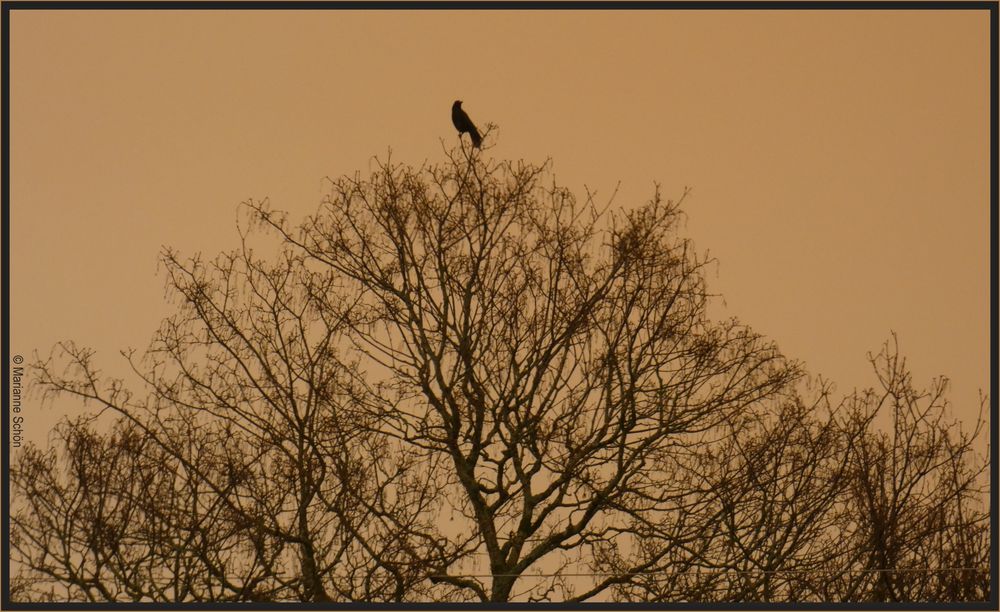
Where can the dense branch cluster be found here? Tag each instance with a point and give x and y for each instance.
(460, 383)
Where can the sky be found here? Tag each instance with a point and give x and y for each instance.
(838, 160)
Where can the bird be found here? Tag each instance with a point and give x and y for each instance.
(464, 124)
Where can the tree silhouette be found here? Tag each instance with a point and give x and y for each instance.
(248, 472)
(820, 505)
(461, 383)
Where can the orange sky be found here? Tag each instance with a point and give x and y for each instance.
(838, 159)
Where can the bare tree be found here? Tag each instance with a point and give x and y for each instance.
(821, 504)
(561, 370)
(913, 518)
(460, 383)
(766, 490)
(249, 471)
(130, 523)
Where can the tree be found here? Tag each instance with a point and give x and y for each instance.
(820, 504)
(561, 371)
(915, 497)
(456, 383)
(248, 472)
(767, 490)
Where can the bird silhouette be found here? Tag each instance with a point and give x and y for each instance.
(464, 124)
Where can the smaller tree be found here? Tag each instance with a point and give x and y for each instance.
(117, 516)
(813, 502)
(762, 495)
(914, 524)
(249, 471)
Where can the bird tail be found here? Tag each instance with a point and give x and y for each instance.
(477, 140)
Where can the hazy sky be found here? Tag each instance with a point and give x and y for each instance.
(838, 159)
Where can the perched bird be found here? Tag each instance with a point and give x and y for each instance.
(464, 124)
